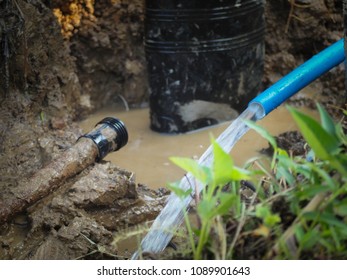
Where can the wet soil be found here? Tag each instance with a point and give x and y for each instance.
(68, 58)
(290, 141)
(90, 206)
(106, 41)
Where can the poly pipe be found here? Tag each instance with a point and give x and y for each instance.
(296, 80)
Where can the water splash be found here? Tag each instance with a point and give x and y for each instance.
(171, 217)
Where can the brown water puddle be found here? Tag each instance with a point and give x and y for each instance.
(147, 153)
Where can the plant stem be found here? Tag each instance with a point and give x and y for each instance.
(202, 239)
(190, 232)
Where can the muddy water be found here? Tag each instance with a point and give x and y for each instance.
(147, 153)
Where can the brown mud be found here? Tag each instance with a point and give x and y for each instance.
(66, 59)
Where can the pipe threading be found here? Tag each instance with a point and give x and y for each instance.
(109, 136)
(122, 134)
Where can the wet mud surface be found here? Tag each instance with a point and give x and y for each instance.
(92, 205)
(290, 141)
(70, 58)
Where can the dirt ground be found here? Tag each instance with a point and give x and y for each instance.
(65, 59)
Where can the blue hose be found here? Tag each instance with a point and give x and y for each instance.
(296, 80)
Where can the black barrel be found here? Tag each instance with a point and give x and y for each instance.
(204, 60)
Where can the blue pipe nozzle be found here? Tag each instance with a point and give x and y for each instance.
(300, 77)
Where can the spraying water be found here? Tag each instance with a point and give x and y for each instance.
(171, 217)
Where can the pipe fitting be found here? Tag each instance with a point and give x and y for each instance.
(109, 135)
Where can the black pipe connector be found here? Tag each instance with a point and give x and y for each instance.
(109, 135)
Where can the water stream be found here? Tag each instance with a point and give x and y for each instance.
(171, 217)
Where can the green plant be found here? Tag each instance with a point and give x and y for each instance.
(318, 190)
(311, 189)
(322, 188)
(214, 201)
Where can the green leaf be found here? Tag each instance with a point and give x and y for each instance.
(326, 120)
(224, 170)
(340, 208)
(309, 239)
(299, 232)
(327, 244)
(340, 134)
(226, 201)
(174, 187)
(262, 211)
(316, 136)
(283, 172)
(286, 162)
(205, 208)
(265, 214)
(327, 218)
(282, 153)
(238, 174)
(223, 165)
(272, 220)
(309, 191)
(264, 133)
(340, 163)
(323, 174)
(201, 173)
